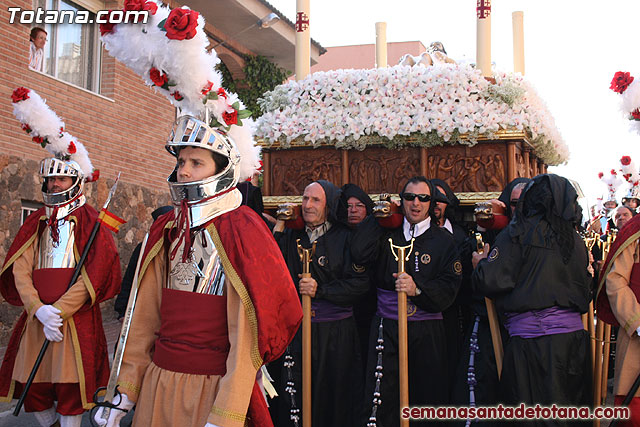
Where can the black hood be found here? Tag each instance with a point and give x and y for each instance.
(332, 193)
(348, 191)
(452, 201)
(505, 196)
(548, 208)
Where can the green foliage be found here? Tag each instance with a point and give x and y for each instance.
(261, 76)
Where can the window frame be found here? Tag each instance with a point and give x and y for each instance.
(92, 72)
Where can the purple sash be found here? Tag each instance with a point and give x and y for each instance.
(324, 311)
(388, 308)
(538, 323)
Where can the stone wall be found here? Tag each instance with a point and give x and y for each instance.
(20, 180)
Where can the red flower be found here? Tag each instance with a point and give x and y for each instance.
(71, 148)
(25, 127)
(177, 96)
(222, 93)
(613, 172)
(38, 139)
(207, 88)
(20, 94)
(107, 28)
(157, 78)
(141, 5)
(230, 117)
(635, 114)
(621, 80)
(94, 176)
(600, 175)
(625, 160)
(181, 24)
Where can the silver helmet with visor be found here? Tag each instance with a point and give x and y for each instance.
(189, 131)
(54, 167)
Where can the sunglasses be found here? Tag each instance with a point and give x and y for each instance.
(410, 197)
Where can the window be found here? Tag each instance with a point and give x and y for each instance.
(28, 207)
(72, 52)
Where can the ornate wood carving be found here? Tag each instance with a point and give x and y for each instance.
(292, 170)
(379, 170)
(484, 171)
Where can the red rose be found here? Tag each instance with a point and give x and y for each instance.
(222, 93)
(621, 80)
(151, 7)
(625, 160)
(635, 114)
(20, 94)
(157, 78)
(177, 96)
(38, 139)
(207, 88)
(94, 175)
(230, 117)
(600, 175)
(25, 127)
(613, 172)
(71, 148)
(141, 5)
(107, 28)
(181, 24)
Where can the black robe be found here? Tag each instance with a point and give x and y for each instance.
(436, 269)
(336, 361)
(528, 269)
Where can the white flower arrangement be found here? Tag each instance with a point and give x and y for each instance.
(404, 105)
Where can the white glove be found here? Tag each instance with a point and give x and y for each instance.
(115, 415)
(638, 331)
(210, 425)
(52, 334)
(50, 318)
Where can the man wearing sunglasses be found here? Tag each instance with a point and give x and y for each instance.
(431, 281)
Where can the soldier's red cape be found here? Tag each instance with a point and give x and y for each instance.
(256, 258)
(102, 267)
(626, 236)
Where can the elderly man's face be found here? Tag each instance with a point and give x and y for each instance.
(195, 164)
(621, 217)
(356, 211)
(440, 207)
(414, 210)
(57, 184)
(314, 205)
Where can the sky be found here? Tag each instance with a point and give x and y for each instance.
(572, 50)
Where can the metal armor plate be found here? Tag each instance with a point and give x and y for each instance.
(60, 256)
(203, 272)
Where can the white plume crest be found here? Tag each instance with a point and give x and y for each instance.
(190, 73)
(41, 122)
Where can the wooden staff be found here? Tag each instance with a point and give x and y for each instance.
(588, 318)
(494, 325)
(305, 257)
(403, 254)
(605, 361)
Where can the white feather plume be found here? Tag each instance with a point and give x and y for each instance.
(44, 123)
(189, 67)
